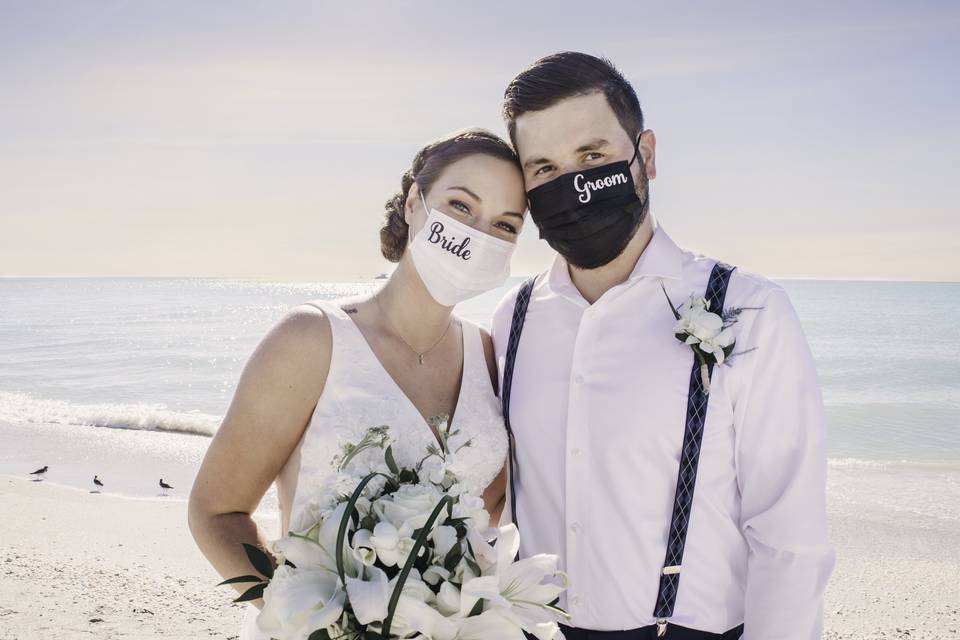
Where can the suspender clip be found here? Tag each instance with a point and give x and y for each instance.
(661, 627)
(671, 569)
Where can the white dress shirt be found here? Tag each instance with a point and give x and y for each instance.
(598, 409)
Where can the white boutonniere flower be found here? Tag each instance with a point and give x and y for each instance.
(708, 334)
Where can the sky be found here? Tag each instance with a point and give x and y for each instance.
(261, 139)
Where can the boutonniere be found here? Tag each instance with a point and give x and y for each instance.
(708, 334)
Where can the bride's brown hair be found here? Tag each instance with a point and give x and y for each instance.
(427, 166)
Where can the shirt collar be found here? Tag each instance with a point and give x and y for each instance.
(661, 258)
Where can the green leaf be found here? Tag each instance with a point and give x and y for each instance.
(252, 593)
(408, 565)
(676, 314)
(319, 634)
(391, 463)
(453, 557)
(240, 579)
(348, 514)
(477, 608)
(259, 559)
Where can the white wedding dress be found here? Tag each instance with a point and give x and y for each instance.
(359, 394)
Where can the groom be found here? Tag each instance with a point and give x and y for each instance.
(685, 496)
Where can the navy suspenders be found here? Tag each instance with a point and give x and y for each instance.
(716, 292)
(689, 458)
(513, 342)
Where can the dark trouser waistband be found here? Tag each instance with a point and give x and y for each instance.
(674, 632)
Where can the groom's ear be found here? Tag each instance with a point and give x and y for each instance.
(648, 148)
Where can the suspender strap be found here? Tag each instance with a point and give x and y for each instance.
(689, 458)
(513, 343)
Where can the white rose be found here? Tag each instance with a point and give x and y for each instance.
(434, 469)
(410, 505)
(472, 507)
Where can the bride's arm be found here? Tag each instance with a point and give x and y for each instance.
(275, 396)
(494, 496)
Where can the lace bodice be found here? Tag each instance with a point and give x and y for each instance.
(360, 394)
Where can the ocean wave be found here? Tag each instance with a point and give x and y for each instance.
(883, 465)
(25, 408)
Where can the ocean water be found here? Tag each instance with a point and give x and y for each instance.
(149, 365)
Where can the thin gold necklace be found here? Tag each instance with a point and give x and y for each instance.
(420, 355)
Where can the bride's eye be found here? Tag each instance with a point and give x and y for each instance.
(506, 226)
(460, 206)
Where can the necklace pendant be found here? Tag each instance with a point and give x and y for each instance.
(420, 355)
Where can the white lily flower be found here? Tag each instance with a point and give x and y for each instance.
(444, 538)
(385, 540)
(363, 549)
(434, 574)
(298, 602)
(448, 599)
(519, 592)
(415, 612)
(369, 597)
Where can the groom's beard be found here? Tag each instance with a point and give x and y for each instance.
(642, 190)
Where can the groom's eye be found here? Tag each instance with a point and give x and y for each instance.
(543, 170)
(593, 155)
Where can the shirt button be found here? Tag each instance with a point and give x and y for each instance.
(575, 527)
(578, 378)
(574, 452)
(576, 601)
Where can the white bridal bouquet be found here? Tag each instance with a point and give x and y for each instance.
(403, 553)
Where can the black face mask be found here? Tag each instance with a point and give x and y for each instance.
(589, 216)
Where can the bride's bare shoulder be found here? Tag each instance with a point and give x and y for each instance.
(301, 339)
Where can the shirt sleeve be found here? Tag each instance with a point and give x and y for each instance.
(781, 461)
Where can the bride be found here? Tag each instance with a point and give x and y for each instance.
(329, 370)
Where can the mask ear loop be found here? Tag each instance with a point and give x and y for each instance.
(423, 200)
(636, 149)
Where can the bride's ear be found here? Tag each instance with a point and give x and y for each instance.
(413, 196)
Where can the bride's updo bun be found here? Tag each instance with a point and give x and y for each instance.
(427, 166)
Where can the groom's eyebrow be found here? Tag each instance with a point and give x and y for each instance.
(534, 162)
(593, 145)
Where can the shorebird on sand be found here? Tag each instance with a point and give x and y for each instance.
(164, 486)
(39, 472)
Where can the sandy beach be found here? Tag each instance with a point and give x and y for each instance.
(77, 564)
(81, 565)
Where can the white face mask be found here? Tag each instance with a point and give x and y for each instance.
(455, 261)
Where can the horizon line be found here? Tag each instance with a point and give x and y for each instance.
(376, 279)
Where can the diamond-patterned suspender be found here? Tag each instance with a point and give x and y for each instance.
(513, 343)
(689, 458)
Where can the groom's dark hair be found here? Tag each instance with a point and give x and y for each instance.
(565, 75)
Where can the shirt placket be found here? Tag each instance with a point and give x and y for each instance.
(577, 486)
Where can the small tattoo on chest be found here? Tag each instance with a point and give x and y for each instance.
(351, 310)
